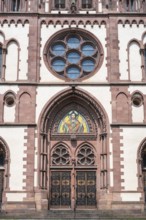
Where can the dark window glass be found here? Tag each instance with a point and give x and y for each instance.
(86, 3)
(2, 3)
(9, 99)
(137, 99)
(59, 4)
(1, 59)
(145, 58)
(15, 5)
(144, 161)
(2, 156)
(130, 5)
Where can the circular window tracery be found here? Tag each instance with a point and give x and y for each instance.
(73, 55)
(60, 156)
(9, 99)
(85, 156)
(137, 99)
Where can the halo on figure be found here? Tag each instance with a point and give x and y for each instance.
(65, 126)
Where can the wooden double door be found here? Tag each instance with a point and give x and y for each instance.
(82, 192)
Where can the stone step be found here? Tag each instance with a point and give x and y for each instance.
(71, 215)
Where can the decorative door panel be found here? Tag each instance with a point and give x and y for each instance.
(60, 188)
(86, 188)
(1, 184)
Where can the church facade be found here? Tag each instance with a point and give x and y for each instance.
(73, 104)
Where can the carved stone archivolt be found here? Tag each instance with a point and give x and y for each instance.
(73, 133)
(66, 101)
(4, 162)
(4, 150)
(141, 166)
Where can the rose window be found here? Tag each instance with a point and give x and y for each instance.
(73, 55)
(85, 156)
(60, 156)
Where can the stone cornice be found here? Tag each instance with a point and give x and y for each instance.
(73, 84)
(61, 15)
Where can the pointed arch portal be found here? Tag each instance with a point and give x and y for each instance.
(142, 167)
(73, 150)
(4, 168)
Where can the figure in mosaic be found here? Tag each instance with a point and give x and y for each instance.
(73, 125)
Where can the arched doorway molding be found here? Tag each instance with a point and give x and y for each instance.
(64, 98)
(142, 168)
(6, 166)
(140, 149)
(4, 170)
(49, 137)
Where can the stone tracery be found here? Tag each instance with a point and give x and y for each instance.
(85, 156)
(60, 155)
